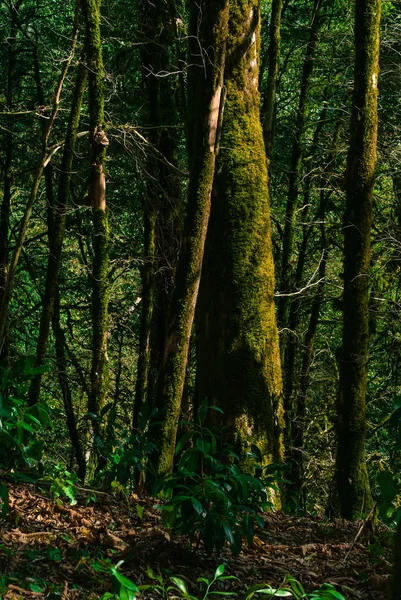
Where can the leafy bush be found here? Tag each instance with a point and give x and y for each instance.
(209, 498)
(20, 424)
(127, 453)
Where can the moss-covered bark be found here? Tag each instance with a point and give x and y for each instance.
(286, 274)
(162, 196)
(207, 42)
(56, 234)
(97, 198)
(239, 362)
(352, 477)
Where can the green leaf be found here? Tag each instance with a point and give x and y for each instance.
(139, 510)
(203, 446)
(124, 581)
(197, 505)
(296, 587)
(180, 584)
(4, 497)
(219, 571)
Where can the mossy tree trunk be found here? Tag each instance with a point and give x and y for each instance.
(207, 43)
(286, 274)
(239, 362)
(97, 199)
(162, 197)
(59, 215)
(351, 471)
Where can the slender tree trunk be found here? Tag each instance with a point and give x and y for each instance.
(396, 591)
(297, 465)
(351, 471)
(274, 65)
(208, 33)
(286, 274)
(291, 348)
(8, 147)
(239, 362)
(97, 199)
(59, 338)
(44, 160)
(57, 230)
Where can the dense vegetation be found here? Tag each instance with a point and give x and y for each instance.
(200, 228)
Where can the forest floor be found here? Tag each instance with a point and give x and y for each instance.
(58, 551)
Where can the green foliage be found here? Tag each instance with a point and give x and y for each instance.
(176, 587)
(62, 484)
(291, 588)
(21, 425)
(128, 453)
(209, 497)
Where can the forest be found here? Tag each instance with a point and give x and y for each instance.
(200, 299)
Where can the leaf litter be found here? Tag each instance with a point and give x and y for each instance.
(50, 550)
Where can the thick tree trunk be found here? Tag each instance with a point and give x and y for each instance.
(286, 274)
(239, 362)
(97, 199)
(208, 33)
(57, 230)
(351, 471)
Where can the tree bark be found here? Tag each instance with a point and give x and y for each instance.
(239, 363)
(57, 231)
(207, 42)
(97, 200)
(44, 160)
(351, 471)
(286, 274)
(273, 68)
(162, 198)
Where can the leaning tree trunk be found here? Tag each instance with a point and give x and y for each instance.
(57, 231)
(351, 471)
(97, 199)
(239, 361)
(208, 27)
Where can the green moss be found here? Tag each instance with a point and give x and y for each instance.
(352, 479)
(211, 30)
(239, 362)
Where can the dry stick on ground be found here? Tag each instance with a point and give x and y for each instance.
(35, 184)
(362, 527)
